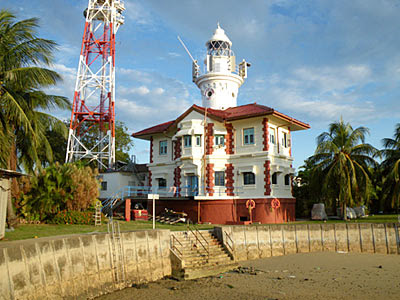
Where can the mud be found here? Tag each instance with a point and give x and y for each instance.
(297, 276)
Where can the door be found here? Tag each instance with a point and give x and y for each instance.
(193, 183)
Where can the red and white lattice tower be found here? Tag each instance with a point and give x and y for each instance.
(94, 97)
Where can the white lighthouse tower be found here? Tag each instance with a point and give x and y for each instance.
(220, 84)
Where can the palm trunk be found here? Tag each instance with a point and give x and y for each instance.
(12, 165)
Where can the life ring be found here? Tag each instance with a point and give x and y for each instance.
(275, 203)
(250, 204)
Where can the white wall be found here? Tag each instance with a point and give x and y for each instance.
(115, 181)
(4, 190)
(250, 157)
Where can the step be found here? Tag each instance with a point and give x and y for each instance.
(204, 241)
(198, 257)
(202, 255)
(211, 261)
(214, 248)
(191, 253)
(200, 250)
(207, 270)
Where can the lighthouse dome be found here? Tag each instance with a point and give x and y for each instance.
(220, 36)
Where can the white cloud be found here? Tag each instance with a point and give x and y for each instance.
(159, 91)
(66, 87)
(141, 90)
(147, 98)
(332, 78)
(319, 95)
(135, 12)
(174, 54)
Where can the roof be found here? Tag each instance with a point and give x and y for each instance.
(155, 129)
(219, 35)
(231, 114)
(10, 173)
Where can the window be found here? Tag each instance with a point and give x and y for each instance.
(219, 140)
(163, 147)
(272, 135)
(285, 140)
(275, 178)
(287, 179)
(219, 178)
(187, 141)
(104, 185)
(198, 140)
(248, 136)
(162, 183)
(249, 178)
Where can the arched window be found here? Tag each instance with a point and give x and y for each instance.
(275, 178)
(287, 179)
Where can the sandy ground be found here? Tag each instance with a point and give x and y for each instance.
(298, 276)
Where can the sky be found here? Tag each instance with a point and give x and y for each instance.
(316, 61)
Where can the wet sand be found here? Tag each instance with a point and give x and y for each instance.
(298, 276)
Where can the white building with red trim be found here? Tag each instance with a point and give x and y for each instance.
(214, 158)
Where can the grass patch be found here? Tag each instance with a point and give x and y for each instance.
(369, 219)
(29, 231)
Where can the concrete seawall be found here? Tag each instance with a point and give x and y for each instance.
(252, 242)
(83, 266)
(80, 266)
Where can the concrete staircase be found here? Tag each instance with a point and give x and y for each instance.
(196, 254)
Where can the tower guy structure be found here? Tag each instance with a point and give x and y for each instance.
(92, 126)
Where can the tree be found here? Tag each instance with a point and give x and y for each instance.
(308, 189)
(391, 170)
(23, 58)
(343, 158)
(123, 142)
(23, 122)
(58, 187)
(58, 142)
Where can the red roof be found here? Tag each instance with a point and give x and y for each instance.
(239, 112)
(230, 114)
(155, 129)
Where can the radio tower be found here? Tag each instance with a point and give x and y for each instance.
(92, 126)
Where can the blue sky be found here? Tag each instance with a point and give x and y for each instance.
(313, 60)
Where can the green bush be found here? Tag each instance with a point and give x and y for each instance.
(73, 217)
(69, 187)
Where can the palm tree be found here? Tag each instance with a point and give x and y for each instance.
(23, 58)
(391, 168)
(343, 159)
(22, 76)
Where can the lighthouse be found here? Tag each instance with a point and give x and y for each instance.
(219, 157)
(219, 85)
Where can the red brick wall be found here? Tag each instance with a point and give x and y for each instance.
(230, 210)
(178, 148)
(150, 179)
(290, 143)
(151, 149)
(265, 134)
(267, 178)
(210, 179)
(209, 138)
(229, 179)
(177, 180)
(229, 142)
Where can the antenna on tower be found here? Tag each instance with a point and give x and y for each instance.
(187, 51)
(196, 67)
